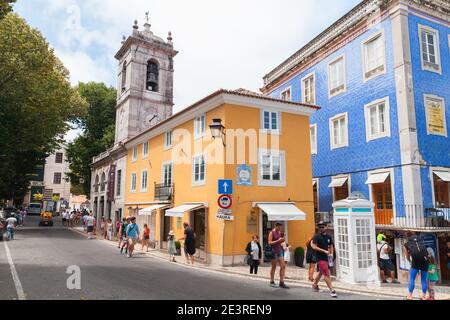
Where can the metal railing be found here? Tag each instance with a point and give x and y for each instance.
(412, 216)
(164, 192)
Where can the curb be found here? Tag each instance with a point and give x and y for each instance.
(295, 281)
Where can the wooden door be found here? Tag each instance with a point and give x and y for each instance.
(441, 193)
(382, 195)
(341, 193)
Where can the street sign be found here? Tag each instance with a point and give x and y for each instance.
(48, 194)
(225, 202)
(225, 186)
(225, 217)
(224, 211)
(244, 175)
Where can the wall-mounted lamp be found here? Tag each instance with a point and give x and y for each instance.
(218, 130)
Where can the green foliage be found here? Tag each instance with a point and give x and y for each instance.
(98, 126)
(299, 251)
(5, 7)
(36, 103)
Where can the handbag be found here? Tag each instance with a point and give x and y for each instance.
(248, 259)
(287, 256)
(268, 252)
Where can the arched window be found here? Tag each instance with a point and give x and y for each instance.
(152, 76)
(103, 182)
(96, 183)
(124, 76)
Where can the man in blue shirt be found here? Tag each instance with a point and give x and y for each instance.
(132, 235)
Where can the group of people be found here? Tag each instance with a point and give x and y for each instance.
(72, 218)
(17, 219)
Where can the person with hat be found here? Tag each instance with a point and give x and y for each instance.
(275, 241)
(171, 248)
(385, 262)
(323, 245)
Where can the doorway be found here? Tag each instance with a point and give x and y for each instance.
(382, 195)
(165, 228)
(198, 223)
(445, 272)
(267, 227)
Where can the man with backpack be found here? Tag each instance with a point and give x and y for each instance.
(385, 261)
(416, 253)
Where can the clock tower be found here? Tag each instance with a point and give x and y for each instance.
(144, 82)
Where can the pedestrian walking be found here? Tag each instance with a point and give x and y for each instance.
(385, 262)
(103, 228)
(132, 236)
(123, 230)
(84, 222)
(11, 224)
(254, 250)
(90, 225)
(64, 218)
(417, 254)
(189, 243)
(172, 249)
(71, 218)
(432, 276)
(145, 237)
(24, 216)
(109, 229)
(324, 248)
(311, 259)
(275, 241)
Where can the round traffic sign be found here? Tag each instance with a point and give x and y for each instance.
(225, 202)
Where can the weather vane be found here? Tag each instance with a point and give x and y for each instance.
(147, 16)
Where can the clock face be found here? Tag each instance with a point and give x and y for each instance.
(151, 119)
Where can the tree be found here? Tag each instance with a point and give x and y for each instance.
(98, 125)
(5, 7)
(36, 103)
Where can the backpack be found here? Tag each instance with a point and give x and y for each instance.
(417, 250)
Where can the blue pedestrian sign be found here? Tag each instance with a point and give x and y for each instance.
(225, 186)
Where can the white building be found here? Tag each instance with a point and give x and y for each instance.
(56, 168)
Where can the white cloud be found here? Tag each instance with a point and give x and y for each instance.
(222, 44)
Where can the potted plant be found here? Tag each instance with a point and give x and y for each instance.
(178, 247)
(299, 256)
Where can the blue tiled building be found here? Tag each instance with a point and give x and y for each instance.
(381, 75)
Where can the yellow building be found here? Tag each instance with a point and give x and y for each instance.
(173, 171)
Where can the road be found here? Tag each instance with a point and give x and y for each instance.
(41, 256)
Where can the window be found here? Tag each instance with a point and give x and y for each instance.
(134, 153)
(343, 243)
(309, 89)
(97, 181)
(377, 120)
(133, 182)
(313, 135)
(124, 76)
(429, 48)
(271, 121)
(271, 168)
(339, 131)
(435, 115)
(103, 182)
(441, 188)
(57, 177)
(336, 77)
(58, 158)
(374, 56)
(199, 127)
(119, 182)
(144, 178)
(168, 139)
(316, 194)
(198, 170)
(286, 94)
(167, 174)
(152, 76)
(145, 150)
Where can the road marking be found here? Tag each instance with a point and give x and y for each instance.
(15, 276)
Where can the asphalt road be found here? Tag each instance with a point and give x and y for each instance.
(41, 257)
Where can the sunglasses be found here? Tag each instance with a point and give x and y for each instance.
(321, 227)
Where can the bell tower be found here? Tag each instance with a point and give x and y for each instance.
(145, 82)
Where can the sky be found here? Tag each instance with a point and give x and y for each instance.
(226, 44)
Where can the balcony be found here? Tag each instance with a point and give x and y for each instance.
(413, 217)
(164, 192)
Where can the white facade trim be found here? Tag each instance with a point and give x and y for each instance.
(381, 35)
(314, 146)
(331, 124)
(270, 183)
(432, 170)
(303, 80)
(286, 90)
(200, 182)
(344, 61)
(391, 172)
(143, 190)
(271, 131)
(436, 48)
(387, 124)
(349, 183)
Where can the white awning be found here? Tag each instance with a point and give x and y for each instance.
(179, 212)
(150, 210)
(338, 182)
(282, 211)
(378, 178)
(444, 175)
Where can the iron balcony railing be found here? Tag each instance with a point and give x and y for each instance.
(164, 192)
(412, 216)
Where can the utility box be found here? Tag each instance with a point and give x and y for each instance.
(355, 240)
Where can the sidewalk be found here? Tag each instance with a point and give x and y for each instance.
(296, 276)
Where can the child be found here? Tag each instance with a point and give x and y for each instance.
(145, 237)
(432, 276)
(171, 246)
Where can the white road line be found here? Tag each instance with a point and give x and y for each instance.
(15, 276)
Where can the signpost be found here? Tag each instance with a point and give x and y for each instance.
(225, 201)
(225, 187)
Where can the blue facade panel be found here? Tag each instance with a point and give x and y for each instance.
(434, 149)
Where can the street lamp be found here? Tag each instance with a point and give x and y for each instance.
(218, 130)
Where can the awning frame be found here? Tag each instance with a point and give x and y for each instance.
(337, 182)
(374, 181)
(180, 214)
(154, 208)
(257, 205)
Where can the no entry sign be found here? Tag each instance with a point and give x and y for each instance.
(225, 202)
